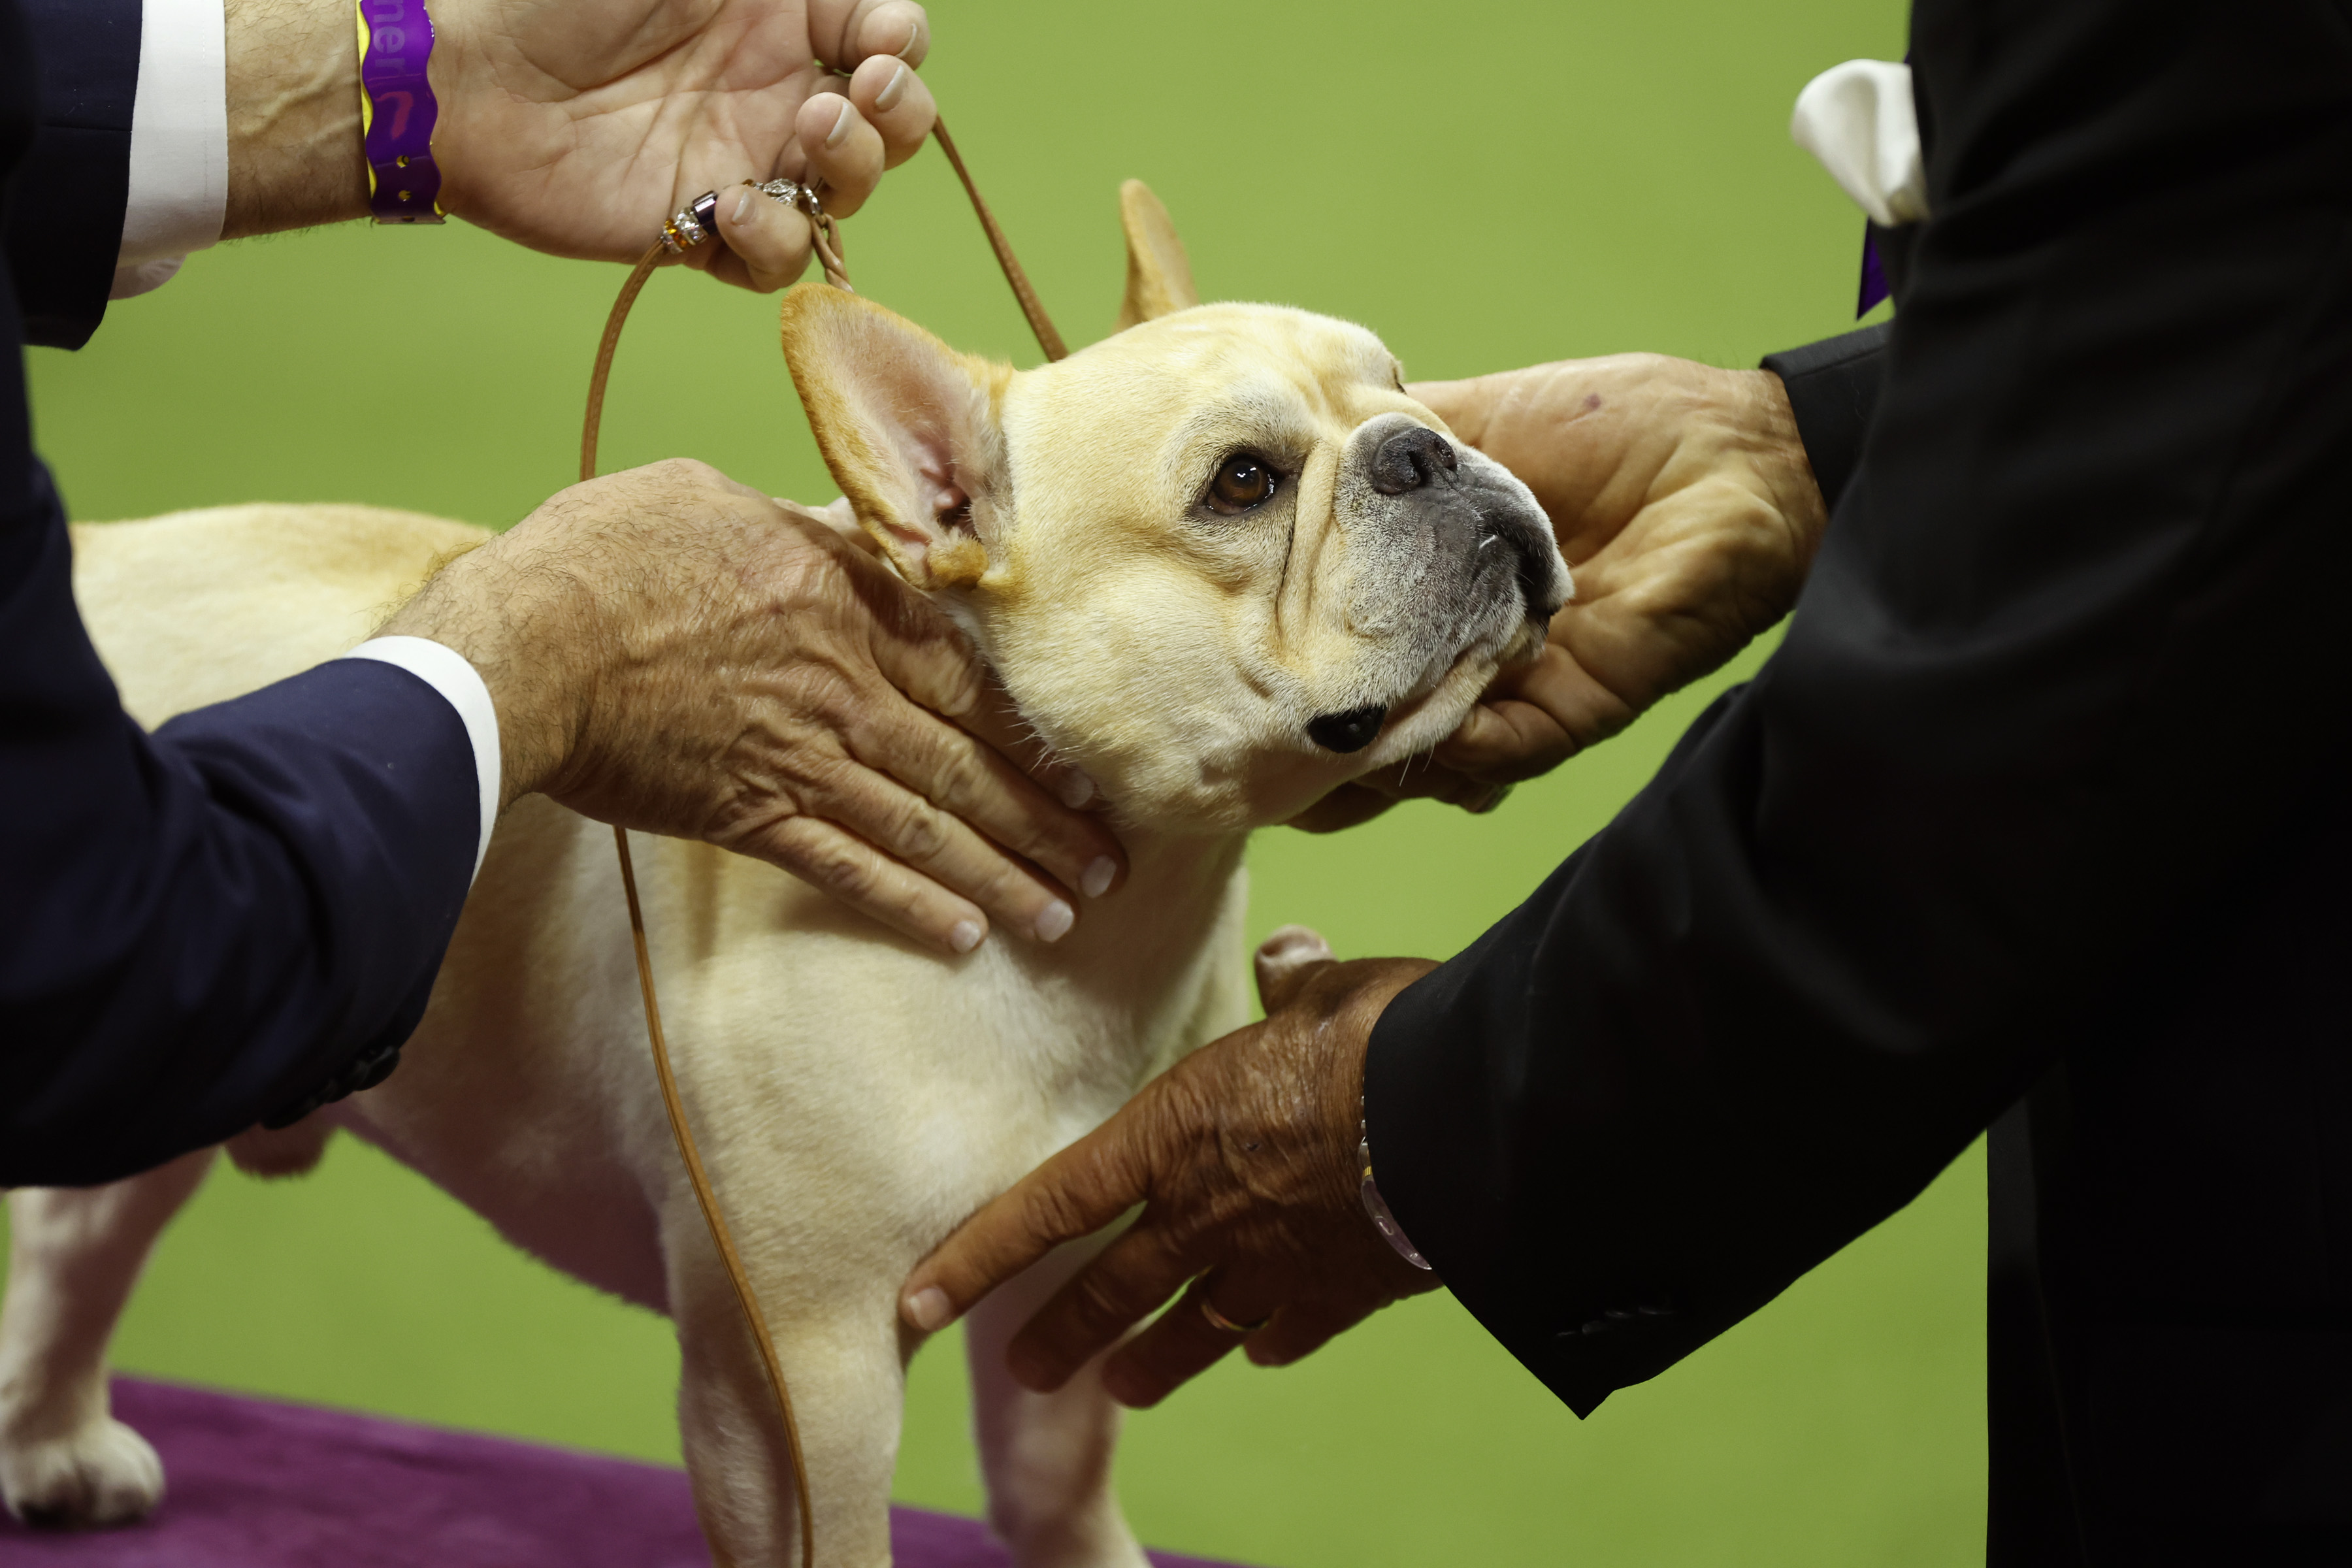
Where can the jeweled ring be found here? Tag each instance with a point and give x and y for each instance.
(691, 224)
(792, 193)
(1218, 1320)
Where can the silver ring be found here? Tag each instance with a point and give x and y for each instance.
(791, 193)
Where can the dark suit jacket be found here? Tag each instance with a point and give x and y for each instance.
(243, 911)
(2045, 785)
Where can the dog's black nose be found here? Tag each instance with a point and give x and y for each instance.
(1410, 460)
(1348, 731)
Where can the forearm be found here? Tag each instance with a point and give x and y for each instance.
(294, 153)
(212, 925)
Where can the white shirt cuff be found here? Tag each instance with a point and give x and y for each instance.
(179, 141)
(446, 671)
(1859, 121)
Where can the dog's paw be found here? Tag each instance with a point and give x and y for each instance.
(103, 1474)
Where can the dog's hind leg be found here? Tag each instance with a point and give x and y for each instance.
(73, 1255)
(848, 1385)
(1045, 1457)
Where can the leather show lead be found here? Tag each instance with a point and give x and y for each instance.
(695, 226)
(397, 113)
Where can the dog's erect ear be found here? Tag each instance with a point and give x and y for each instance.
(1159, 274)
(907, 425)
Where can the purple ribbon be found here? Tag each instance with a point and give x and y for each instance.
(396, 42)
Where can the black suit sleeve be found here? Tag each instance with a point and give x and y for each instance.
(218, 922)
(2073, 652)
(1832, 388)
(67, 198)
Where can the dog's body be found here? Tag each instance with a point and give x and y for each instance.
(854, 1096)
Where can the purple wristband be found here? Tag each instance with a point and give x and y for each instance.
(397, 110)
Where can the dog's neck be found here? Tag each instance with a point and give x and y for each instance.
(1176, 888)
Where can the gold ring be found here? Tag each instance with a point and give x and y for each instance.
(1218, 1320)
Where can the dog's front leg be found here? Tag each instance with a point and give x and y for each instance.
(73, 1255)
(847, 1372)
(1046, 1457)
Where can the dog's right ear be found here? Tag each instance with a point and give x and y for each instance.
(908, 425)
(1158, 273)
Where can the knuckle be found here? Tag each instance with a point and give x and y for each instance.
(830, 695)
(684, 473)
(841, 869)
(961, 775)
(918, 831)
(946, 670)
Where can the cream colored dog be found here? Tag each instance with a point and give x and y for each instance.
(1220, 561)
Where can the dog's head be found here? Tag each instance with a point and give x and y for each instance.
(1220, 560)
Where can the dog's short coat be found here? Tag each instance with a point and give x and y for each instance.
(855, 1095)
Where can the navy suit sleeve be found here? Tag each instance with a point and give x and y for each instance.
(66, 199)
(2069, 668)
(217, 923)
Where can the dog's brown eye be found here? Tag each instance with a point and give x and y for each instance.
(1242, 482)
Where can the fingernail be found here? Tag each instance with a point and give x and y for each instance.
(914, 33)
(887, 99)
(1053, 921)
(965, 935)
(1076, 789)
(1096, 881)
(840, 131)
(929, 1309)
(742, 209)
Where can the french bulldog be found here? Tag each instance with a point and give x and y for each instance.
(1220, 561)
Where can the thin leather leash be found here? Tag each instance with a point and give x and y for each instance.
(691, 228)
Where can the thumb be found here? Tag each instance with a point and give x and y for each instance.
(1287, 960)
(919, 651)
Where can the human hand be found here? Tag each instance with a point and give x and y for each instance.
(576, 126)
(1244, 1158)
(1683, 500)
(671, 652)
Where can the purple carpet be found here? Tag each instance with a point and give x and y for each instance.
(250, 1483)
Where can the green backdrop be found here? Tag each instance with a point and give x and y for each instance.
(1486, 183)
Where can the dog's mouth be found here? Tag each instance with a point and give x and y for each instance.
(1347, 731)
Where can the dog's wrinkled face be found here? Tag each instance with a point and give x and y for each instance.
(1221, 561)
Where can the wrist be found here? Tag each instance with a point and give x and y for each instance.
(1387, 978)
(1346, 1035)
(292, 80)
(1782, 459)
(523, 630)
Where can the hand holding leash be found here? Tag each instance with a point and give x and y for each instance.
(562, 124)
(567, 122)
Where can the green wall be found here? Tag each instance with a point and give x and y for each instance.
(1486, 183)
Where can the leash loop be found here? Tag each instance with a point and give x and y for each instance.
(694, 225)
